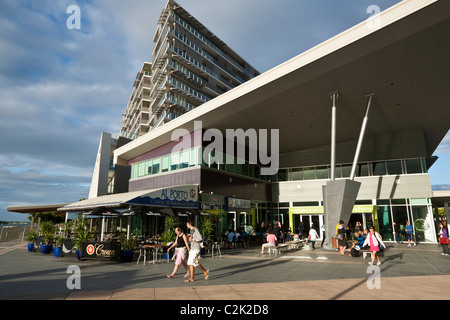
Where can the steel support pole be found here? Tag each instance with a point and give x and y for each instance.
(361, 136)
(334, 97)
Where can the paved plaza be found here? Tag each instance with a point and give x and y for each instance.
(240, 274)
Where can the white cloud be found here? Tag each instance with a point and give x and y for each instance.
(444, 147)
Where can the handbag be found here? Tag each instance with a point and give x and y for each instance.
(340, 236)
(443, 241)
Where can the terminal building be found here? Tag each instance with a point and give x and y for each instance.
(370, 105)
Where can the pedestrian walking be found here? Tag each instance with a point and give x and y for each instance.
(374, 241)
(409, 234)
(443, 239)
(340, 236)
(323, 234)
(313, 236)
(193, 262)
(397, 232)
(300, 230)
(181, 252)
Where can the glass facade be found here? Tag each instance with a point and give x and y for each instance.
(364, 169)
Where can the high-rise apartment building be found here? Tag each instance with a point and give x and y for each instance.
(190, 66)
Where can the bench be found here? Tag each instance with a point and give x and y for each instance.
(294, 244)
(277, 249)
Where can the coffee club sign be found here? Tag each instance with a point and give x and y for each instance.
(99, 250)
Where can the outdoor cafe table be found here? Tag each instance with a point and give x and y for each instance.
(156, 248)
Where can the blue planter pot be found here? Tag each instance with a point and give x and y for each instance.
(30, 247)
(126, 255)
(46, 248)
(57, 252)
(165, 257)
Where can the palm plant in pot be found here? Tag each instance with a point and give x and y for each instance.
(128, 246)
(31, 238)
(58, 247)
(48, 231)
(82, 235)
(169, 235)
(207, 228)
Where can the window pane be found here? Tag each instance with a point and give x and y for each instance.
(156, 165)
(282, 175)
(246, 169)
(394, 167)
(337, 172)
(165, 164)
(379, 168)
(297, 174)
(413, 166)
(238, 168)
(309, 173)
(192, 159)
(141, 169)
(424, 166)
(184, 159)
(148, 165)
(346, 170)
(174, 160)
(363, 170)
(322, 173)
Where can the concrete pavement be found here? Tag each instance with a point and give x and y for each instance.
(239, 275)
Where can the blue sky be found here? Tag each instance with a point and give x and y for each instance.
(60, 88)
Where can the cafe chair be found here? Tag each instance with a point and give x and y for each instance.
(141, 253)
(215, 245)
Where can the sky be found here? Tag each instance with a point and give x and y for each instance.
(61, 87)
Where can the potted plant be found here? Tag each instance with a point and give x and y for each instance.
(207, 230)
(169, 235)
(166, 238)
(48, 231)
(127, 250)
(31, 237)
(58, 246)
(83, 236)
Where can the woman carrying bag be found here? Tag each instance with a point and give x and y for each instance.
(443, 239)
(376, 244)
